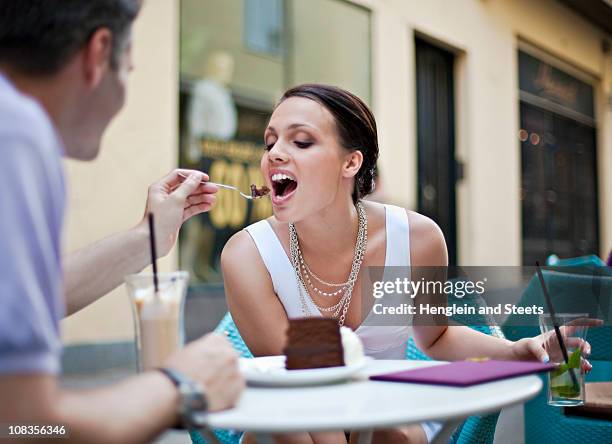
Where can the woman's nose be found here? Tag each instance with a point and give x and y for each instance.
(277, 153)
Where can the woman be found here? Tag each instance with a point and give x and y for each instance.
(320, 159)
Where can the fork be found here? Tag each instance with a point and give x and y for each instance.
(227, 187)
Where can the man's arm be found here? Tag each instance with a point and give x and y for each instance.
(135, 410)
(93, 271)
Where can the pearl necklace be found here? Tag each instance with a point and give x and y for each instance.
(341, 307)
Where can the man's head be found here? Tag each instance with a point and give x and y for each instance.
(74, 56)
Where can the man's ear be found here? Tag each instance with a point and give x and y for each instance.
(352, 163)
(97, 56)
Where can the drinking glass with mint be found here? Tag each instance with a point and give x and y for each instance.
(566, 382)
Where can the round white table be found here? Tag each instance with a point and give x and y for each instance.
(361, 404)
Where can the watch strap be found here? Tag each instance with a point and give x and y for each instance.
(175, 376)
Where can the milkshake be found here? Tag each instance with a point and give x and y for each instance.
(158, 316)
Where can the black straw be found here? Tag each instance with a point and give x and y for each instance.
(553, 319)
(153, 251)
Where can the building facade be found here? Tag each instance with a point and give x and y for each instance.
(494, 118)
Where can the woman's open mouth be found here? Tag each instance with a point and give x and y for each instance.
(284, 186)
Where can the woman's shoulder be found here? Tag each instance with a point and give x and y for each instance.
(239, 245)
(427, 244)
(376, 215)
(243, 245)
(422, 225)
(241, 262)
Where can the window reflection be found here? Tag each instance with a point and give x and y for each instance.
(237, 58)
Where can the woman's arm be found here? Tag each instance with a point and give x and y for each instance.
(428, 248)
(251, 299)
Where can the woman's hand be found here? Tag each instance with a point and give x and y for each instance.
(545, 347)
(533, 349)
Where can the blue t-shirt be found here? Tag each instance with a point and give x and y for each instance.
(32, 200)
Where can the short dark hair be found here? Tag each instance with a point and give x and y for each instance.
(356, 127)
(38, 37)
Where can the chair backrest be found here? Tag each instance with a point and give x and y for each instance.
(585, 280)
(227, 327)
(205, 306)
(582, 261)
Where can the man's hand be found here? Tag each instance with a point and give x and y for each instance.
(173, 200)
(212, 362)
(98, 268)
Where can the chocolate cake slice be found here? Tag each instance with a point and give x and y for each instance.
(313, 343)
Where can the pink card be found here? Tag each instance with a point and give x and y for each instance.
(466, 373)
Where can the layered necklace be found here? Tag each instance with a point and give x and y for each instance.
(305, 275)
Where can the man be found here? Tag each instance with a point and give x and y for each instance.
(63, 72)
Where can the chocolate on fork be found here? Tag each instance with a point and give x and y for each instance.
(259, 192)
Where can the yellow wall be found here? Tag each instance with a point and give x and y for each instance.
(484, 34)
(336, 52)
(108, 195)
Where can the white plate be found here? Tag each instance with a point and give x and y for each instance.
(271, 371)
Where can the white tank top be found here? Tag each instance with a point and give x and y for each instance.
(380, 342)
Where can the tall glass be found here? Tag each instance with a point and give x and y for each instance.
(566, 382)
(158, 317)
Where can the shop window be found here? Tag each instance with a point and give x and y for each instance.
(237, 58)
(263, 26)
(559, 162)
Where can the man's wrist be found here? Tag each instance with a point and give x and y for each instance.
(192, 404)
(168, 395)
(139, 241)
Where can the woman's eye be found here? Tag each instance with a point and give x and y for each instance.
(269, 146)
(302, 144)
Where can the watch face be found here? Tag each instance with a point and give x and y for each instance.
(197, 402)
(195, 407)
(193, 398)
(193, 404)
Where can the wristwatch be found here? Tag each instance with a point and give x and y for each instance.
(193, 405)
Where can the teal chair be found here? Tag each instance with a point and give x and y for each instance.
(228, 328)
(588, 262)
(591, 285)
(475, 429)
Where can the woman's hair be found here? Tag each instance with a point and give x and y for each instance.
(356, 128)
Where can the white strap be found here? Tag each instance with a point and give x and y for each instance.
(398, 237)
(279, 267)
